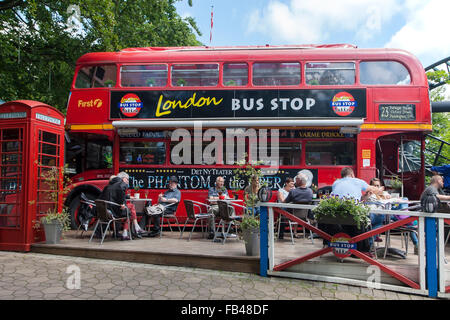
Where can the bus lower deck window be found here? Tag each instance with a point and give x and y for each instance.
(341, 153)
(146, 152)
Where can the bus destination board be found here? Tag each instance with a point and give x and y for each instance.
(397, 112)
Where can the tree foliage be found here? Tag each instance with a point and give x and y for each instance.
(441, 121)
(38, 49)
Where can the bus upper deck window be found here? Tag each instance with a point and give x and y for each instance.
(235, 74)
(96, 77)
(195, 75)
(330, 73)
(383, 72)
(276, 73)
(153, 75)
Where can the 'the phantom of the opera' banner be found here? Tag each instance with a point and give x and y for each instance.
(201, 104)
(203, 178)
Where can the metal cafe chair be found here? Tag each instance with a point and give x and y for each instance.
(105, 217)
(226, 218)
(302, 214)
(169, 215)
(405, 231)
(191, 215)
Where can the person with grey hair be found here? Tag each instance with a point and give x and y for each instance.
(299, 178)
(123, 175)
(218, 192)
(115, 191)
(300, 194)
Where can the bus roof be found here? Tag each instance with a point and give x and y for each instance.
(205, 53)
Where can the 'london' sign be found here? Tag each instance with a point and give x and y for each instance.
(190, 104)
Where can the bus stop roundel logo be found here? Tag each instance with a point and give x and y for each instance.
(341, 244)
(130, 105)
(343, 103)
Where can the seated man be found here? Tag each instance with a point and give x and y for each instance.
(170, 200)
(350, 187)
(434, 189)
(115, 191)
(218, 192)
(445, 171)
(301, 194)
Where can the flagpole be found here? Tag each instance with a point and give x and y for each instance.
(210, 33)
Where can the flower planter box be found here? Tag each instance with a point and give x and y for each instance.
(338, 220)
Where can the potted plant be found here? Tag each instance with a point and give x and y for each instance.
(249, 225)
(150, 82)
(136, 189)
(230, 83)
(314, 189)
(109, 83)
(250, 234)
(181, 82)
(335, 210)
(56, 221)
(55, 224)
(396, 184)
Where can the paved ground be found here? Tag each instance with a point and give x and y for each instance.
(40, 276)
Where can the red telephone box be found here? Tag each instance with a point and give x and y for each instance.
(31, 141)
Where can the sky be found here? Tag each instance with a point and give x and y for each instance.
(418, 26)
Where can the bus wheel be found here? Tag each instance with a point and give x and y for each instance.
(74, 207)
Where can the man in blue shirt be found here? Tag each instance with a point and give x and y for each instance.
(351, 187)
(170, 199)
(445, 171)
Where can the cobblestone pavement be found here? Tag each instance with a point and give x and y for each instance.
(41, 276)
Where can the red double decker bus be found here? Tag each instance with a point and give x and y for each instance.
(328, 107)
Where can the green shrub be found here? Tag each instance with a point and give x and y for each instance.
(335, 207)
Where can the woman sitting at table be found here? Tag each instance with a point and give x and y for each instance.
(282, 194)
(115, 191)
(372, 199)
(251, 195)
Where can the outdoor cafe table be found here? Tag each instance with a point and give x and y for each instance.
(140, 203)
(387, 204)
(226, 200)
